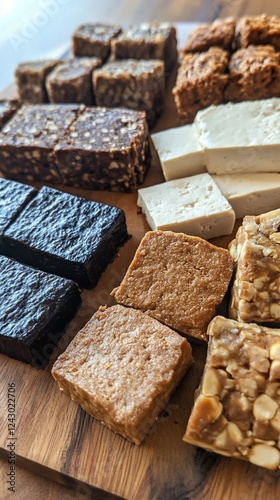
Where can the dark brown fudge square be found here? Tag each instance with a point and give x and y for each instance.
(71, 82)
(28, 139)
(220, 33)
(254, 73)
(258, 30)
(94, 40)
(30, 79)
(200, 82)
(7, 109)
(105, 149)
(147, 41)
(133, 84)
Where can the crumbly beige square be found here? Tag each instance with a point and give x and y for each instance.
(122, 368)
(256, 286)
(177, 279)
(237, 407)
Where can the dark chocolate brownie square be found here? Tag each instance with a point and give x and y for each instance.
(147, 41)
(71, 81)
(66, 235)
(30, 79)
(94, 40)
(34, 310)
(28, 139)
(133, 84)
(105, 149)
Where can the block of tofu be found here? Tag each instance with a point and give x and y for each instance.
(34, 310)
(66, 235)
(256, 251)
(193, 205)
(120, 366)
(177, 279)
(179, 152)
(13, 198)
(250, 194)
(237, 407)
(241, 137)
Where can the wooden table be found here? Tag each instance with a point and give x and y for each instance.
(215, 477)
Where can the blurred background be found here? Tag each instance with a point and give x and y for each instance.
(32, 29)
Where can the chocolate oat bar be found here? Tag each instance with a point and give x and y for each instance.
(34, 310)
(71, 81)
(177, 279)
(133, 84)
(256, 251)
(7, 109)
(200, 82)
(27, 142)
(122, 368)
(219, 33)
(147, 41)
(258, 30)
(30, 80)
(66, 235)
(13, 198)
(237, 406)
(254, 73)
(105, 149)
(94, 39)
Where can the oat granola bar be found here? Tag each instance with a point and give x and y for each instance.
(200, 82)
(133, 84)
(105, 149)
(122, 368)
(219, 33)
(147, 41)
(71, 81)
(177, 279)
(94, 39)
(30, 80)
(258, 30)
(254, 73)
(256, 251)
(237, 406)
(27, 141)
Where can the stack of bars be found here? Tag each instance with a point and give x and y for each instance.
(228, 60)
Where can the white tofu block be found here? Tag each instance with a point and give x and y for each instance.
(179, 152)
(241, 137)
(250, 194)
(193, 205)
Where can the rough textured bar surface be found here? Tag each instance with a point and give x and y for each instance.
(258, 30)
(122, 367)
(220, 33)
(34, 310)
(13, 198)
(94, 39)
(237, 407)
(66, 235)
(177, 279)
(256, 251)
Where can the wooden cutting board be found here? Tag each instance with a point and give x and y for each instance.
(57, 439)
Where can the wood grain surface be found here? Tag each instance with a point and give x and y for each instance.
(76, 456)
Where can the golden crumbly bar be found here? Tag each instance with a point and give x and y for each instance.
(258, 30)
(237, 407)
(122, 368)
(177, 279)
(219, 33)
(200, 82)
(256, 286)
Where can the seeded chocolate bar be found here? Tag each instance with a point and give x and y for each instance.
(66, 235)
(30, 79)
(34, 310)
(147, 41)
(177, 279)
(27, 142)
(105, 149)
(122, 367)
(237, 407)
(7, 109)
(132, 84)
(71, 82)
(256, 251)
(94, 39)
